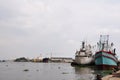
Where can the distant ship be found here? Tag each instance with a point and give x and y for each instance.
(105, 57)
(85, 55)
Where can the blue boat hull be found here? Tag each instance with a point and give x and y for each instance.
(105, 60)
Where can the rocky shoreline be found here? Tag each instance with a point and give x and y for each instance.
(114, 76)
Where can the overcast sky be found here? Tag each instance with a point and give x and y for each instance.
(32, 27)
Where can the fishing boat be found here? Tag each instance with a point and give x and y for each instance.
(85, 55)
(105, 57)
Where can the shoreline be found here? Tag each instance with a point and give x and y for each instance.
(114, 76)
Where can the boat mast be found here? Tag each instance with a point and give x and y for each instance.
(103, 43)
(83, 45)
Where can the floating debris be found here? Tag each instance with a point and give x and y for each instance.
(6, 65)
(25, 70)
(58, 67)
(37, 70)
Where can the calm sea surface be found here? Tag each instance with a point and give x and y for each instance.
(44, 71)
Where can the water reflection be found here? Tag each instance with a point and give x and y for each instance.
(84, 73)
(83, 70)
(89, 73)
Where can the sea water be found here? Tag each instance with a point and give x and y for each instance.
(45, 71)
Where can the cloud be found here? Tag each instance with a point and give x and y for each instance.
(31, 27)
(108, 30)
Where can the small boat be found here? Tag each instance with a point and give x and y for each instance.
(105, 57)
(84, 56)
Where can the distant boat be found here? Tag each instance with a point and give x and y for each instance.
(85, 55)
(105, 57)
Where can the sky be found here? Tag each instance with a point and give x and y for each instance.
(30, 28)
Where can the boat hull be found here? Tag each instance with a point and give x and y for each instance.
(105, 60)
(83, 60)
(105, 67)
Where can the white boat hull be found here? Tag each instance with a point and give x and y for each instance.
(83, 60)
(85, 55)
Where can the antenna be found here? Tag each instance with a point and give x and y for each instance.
(51, 55)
